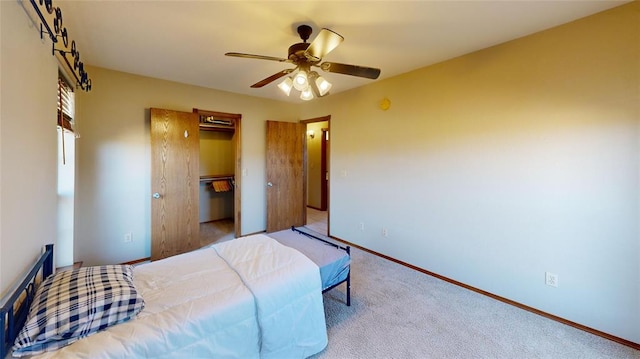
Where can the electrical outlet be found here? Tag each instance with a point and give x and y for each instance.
(551, 279)
(128, 237)
(385, 232)
(362, 226)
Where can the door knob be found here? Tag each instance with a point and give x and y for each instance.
(156, 195)
(269, 184)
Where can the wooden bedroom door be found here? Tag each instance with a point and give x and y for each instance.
(286, 179)
(175, 181)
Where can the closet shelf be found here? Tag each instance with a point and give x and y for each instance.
(217, 121)
(212, 127)
(209, 178)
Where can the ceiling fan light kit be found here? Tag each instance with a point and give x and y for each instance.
(306, 94)
(286, 85)
(319, 84)
(300, 80)
(308, 85)
(305, 55)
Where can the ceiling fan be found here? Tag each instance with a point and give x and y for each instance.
(306, 55)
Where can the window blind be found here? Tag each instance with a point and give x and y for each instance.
(66, 104)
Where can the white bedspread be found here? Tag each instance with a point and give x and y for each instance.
(246, 298)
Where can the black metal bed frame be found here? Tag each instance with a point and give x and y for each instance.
(15, 305)
(344, 248)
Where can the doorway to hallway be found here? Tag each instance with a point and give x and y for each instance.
(317, 220)
(317, 174)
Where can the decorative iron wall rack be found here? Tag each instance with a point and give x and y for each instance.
(50, 18)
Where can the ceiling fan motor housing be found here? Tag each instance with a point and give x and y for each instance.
(296, 51)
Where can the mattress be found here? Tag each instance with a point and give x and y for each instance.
(333, 262)
(247, 298)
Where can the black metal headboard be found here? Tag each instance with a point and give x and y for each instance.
(15, 305)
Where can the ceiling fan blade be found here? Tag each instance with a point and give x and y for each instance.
(353, 70)
(258, 57)
(272, 78)
(326, 41)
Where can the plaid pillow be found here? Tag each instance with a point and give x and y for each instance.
(73, 304)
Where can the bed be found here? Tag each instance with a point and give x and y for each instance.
(332, 258)
(252, 297)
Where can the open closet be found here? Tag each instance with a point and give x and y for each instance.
(194, 160)
(217, 191)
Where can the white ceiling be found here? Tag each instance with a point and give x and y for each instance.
(185, 41)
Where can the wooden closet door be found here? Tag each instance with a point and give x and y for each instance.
(286, 177)
(175, 181)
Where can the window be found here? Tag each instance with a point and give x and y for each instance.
(66, 172)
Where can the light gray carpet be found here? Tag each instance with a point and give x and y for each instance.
(397, 312)
(216, 231)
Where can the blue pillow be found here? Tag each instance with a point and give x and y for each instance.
(70, 305)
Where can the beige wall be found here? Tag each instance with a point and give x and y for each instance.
(495, 167)
(28, 144)
(113, 192)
